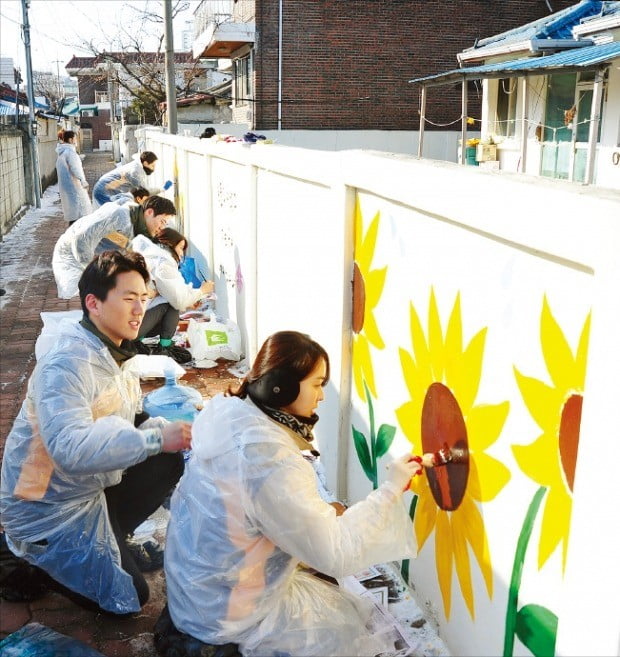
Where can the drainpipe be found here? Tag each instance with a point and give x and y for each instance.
(422, 120)
(595, 118)
(463, 120)
(280, 66)
(524, 124)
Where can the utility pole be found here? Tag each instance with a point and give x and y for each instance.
(116, 151)
(171, 95)
(32, 123)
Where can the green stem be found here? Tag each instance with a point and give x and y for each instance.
(517, 571)
(373, 439)
(404, 569)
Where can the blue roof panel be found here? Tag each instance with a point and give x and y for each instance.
(588, 56)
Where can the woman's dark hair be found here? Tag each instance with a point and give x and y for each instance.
(286, 350)
(148, 156)
(159, 205)
(100, 274)
(170, 238)
(66, 135)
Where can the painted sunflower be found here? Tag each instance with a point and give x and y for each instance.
(442, 378)
(550, 460)
(367, 288)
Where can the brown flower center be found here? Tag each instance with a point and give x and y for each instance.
(443, 425)
(569, 436)
(359, 299)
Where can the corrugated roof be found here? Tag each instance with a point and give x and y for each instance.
(554, 26)
(574, 59)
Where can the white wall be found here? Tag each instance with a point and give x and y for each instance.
(528, 260)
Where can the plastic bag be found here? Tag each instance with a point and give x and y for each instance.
(36, 640)
(214, 338)
(188, 271)
(52, 323)
(155, 365)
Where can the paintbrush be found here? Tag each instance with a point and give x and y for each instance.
(443, 456)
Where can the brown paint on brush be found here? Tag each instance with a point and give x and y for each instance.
(444, 435)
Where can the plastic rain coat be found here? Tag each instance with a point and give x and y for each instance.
(244, 515)
(75, 248)
(165, 274)
(72, 183)
(72, 438)
(120, 180)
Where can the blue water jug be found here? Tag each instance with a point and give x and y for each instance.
(173, 401)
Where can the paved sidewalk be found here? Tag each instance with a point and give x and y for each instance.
(26, 275)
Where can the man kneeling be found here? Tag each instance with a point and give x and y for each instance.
(83, 466)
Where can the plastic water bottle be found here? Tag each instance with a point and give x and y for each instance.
(174, 402)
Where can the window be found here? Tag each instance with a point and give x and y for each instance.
(243, 80)
(101, 96)
(506, 113)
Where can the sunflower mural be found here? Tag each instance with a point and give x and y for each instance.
(442, 377)
(550, 462)
(367, 288)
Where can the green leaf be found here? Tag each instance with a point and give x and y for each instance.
(385, 436)
(361, 447)
(536, 628)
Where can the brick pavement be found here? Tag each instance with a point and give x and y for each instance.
(26, 274)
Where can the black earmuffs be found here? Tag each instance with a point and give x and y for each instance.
(277, 388)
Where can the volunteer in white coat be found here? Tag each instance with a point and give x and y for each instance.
(173, 294)
(247, 513)
(72, 183)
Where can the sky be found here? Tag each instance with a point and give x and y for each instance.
(60, 29)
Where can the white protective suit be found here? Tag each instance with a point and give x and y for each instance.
(244, 515)
(72, 438)
(76, 247)
(165, 275)
(120, 180)
(72, 183)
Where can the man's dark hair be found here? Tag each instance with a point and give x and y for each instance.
(148, 156)
(159, 205)
(208, 133)
(66, 135)
(139, 192)
(101, 273)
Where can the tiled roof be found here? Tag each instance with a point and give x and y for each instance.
(79, 63)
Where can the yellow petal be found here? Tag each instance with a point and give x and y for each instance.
(368, 246)
(484, 424)
(461, 558)
(371, 331)
(435, 339)
(443, 558)
(555, 524)
(581, 358)
(374, 281)
(470, 523)
(468, 379)
(487, 477)
(426, 512)
(540, 460)
(420, 348)
(408, 416)
(416, 386)
(556, 352)
(543, 403)
(454, 347)
(366, 364)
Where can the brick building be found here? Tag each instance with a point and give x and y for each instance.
(345, 64)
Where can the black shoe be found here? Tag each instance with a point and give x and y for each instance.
(141, 348)
(179, 354)
(149, 556)
(169, 642)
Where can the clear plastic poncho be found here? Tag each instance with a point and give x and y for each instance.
(72, 183)
(72, 438)
(244, 516)
(75, 248)
(166, 276)
(120, 180)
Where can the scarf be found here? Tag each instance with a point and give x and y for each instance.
(136, 215)
(120, 354)
(300, 425)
